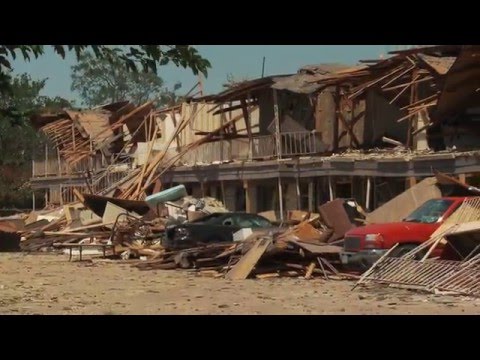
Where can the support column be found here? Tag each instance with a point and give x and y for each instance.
(230, 197)
(291, 200)
(277, 125)
(250, 197)
(368, 195)
(222, 187)
(280, 198)
(412, 181)
(46, 160)
(420, 140)
(330, 188)
(213, 191)
(299, 195)
(33, 200)
(337, 118)
(310, 196)
(197, 191)
(462, 178)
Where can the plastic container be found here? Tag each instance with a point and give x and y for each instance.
(172, 194)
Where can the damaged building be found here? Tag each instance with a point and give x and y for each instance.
(280, 142)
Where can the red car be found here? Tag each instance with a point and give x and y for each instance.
(366, 244)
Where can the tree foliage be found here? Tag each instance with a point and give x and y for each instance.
(18, 140)
(99, 81)
(138, 57)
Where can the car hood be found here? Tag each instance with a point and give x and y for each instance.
(387, 228)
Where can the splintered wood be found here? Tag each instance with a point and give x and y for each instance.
(160, 163)
(257, 257)
(246, 264)
(77, 139)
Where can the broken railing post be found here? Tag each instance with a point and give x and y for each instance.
(374, 266)
(369, 189)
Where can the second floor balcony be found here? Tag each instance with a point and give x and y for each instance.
(262, 147)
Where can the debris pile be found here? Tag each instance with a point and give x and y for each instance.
(262, 255)
(132, 226)
(305, 245)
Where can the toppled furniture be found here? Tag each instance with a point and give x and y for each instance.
(80, 248)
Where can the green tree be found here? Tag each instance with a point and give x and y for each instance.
(145, 57)
(18, 140)
(100, 81)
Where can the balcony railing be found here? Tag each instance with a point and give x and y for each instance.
(58, 167)
(261, 147)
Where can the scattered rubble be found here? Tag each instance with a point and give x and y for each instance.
(134, 229)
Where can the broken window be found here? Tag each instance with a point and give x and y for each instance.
(430, 212)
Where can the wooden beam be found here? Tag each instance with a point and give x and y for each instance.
(413, 99)
(246, 118)
(368, 195)
(347, 127)
(299, 195)
(352, 123)
(78, 195)
(222, 185)
(280, 197)
(412, 181)
(335, 122)
(330, 188)
(236, 107)
(398, 76)
(310, 195)
(415, 76)
(277, 124)
(249, 200)
(426, 78)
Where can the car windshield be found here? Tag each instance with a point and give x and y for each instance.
(430, 212)
(208, 219)
(253, 222)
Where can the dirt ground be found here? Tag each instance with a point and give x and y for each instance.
(50, 284)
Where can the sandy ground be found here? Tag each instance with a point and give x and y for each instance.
(49, 284)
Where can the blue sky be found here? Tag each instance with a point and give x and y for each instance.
(242, 61)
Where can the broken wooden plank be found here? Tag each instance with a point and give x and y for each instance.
(267, 276)
(245, 265)
(309, 271)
